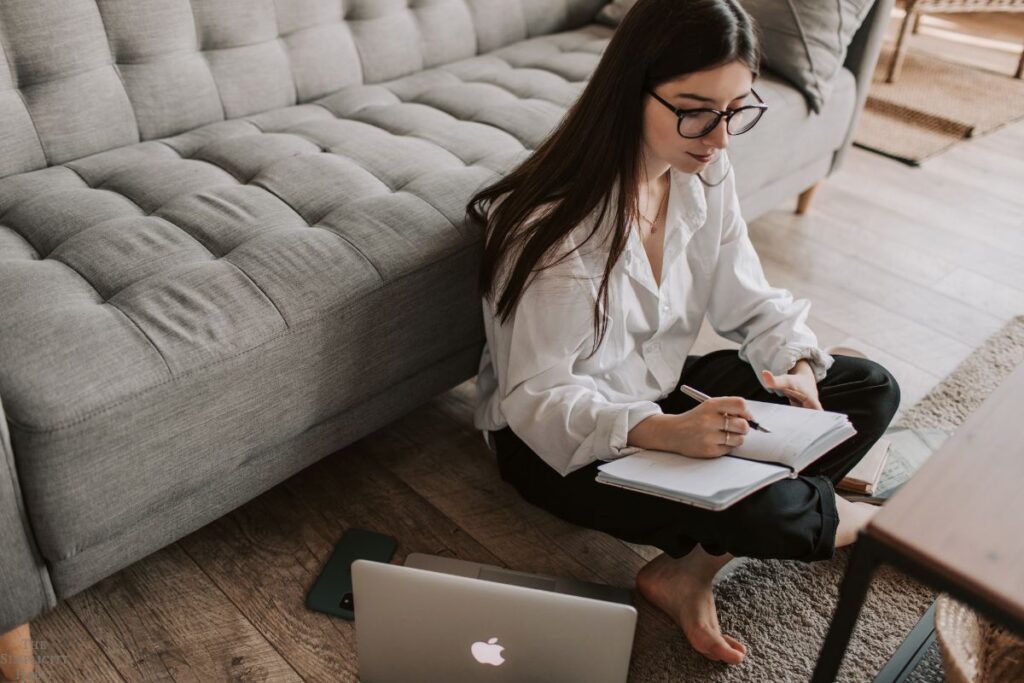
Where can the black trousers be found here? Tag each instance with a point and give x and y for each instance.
(788, 519)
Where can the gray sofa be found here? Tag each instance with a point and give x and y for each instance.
(233, 240)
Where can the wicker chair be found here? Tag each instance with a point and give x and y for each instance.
(915, 8)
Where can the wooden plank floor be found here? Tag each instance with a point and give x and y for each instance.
(916, 267)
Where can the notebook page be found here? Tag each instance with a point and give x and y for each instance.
(793, 429)
(701, 477)
(825, 443)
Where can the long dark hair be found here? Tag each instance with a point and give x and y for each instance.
(598, 143)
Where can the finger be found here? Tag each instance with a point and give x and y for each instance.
(734, 439)
(738, 406)
(728, 405)
(737, 425)
(799, 400)
(802, 396)
(807, 402)
(778, 380)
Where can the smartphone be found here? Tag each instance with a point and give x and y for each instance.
(332, 591)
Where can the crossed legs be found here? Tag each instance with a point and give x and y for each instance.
(682, 587)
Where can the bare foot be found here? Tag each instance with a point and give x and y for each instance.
(682, 589)
(853, 516)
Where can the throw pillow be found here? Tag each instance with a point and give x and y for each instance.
(805, 41)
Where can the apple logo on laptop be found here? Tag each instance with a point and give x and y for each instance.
(488, 653)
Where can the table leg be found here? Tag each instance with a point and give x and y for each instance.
(863, 562)
(900, 51)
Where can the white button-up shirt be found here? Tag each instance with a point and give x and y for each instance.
(573, 410)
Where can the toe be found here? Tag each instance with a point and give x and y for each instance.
(736, 645)
(713, 645)
(727, 654)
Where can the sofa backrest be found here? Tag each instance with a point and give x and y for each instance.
(84, 76)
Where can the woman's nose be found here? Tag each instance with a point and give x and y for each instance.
(719, 135)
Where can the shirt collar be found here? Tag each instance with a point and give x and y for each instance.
(690, 210)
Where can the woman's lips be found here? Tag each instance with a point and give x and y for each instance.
(702, 159)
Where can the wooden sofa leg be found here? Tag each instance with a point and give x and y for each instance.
(803, 202)
(16, 661)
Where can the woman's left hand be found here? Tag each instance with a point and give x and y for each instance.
(800, 387)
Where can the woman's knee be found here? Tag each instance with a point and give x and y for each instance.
(789, 519)
(886, 385)
(877, 389)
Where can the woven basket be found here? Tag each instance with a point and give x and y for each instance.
(975, 650)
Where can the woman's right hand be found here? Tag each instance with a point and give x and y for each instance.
(699, 433)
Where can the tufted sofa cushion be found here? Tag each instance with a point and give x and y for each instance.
(167, 255)
(330, 237)
(86, 76)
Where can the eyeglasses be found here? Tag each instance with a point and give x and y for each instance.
(696, 123)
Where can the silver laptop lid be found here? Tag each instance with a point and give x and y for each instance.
(488, 572)
(420, 625)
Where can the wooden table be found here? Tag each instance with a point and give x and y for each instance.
(955, 526)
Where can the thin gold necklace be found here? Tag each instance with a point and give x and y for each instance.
(664, 199)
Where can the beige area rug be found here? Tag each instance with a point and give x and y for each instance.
(781, 609)
(934, 104)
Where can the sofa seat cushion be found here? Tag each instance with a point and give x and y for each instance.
(174, 306)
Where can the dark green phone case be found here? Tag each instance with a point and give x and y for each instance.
(332, 591)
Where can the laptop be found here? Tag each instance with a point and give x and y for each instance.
(444, 619)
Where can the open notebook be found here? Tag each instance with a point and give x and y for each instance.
(798, 437)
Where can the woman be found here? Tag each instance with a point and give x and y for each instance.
(628, 220)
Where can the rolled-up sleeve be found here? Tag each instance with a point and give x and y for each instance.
(770, 326)
(559, 413)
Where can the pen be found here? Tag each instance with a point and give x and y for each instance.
(701, 397)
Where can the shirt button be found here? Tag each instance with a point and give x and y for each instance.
(664, 307)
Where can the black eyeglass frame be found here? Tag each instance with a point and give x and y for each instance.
(728, 114)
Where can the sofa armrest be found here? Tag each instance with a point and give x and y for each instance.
(25, 588)
(861, 58)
